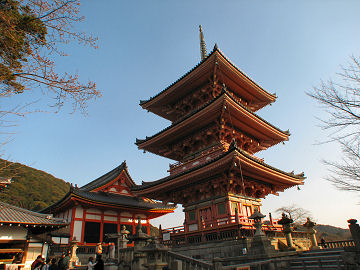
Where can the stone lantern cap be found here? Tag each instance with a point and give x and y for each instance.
(285, 220)
(309, 223)
(257, 215)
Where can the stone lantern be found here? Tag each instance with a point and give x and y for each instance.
(309, 225)
(286, 222)
(257, 217)
(260, 244)
(155, 255)
(74, 260)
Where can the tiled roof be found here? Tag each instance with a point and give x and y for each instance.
(231, 149)
(216, 49)
(109, 199)
(106, 178)
(15, 215)
(121, 200)
(139, 141)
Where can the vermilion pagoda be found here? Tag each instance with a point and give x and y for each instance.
(214, 135)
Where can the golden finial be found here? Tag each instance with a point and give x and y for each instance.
(202, 44)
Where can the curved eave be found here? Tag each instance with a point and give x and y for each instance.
(269, 174)
(205, 67)
(210, 112)
(72, 199)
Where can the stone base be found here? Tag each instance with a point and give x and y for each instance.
(261, 245)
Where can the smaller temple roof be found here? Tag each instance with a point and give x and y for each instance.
(108, 177)
(10, 214)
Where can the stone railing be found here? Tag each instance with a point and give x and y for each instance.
(338, 244)
(126, 255)
(177, 261)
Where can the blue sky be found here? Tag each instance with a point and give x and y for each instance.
(285, 46)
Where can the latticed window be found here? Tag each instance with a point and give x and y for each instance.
(221, 208)
(192, 215)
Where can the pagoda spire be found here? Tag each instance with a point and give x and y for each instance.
(202, 44)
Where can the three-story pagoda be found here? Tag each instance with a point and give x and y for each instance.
(213, 137)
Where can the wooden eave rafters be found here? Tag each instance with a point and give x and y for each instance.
(205, 70)
(242, 119)
(250, 166)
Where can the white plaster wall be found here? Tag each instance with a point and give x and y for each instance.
(79, 211)
(126, 214)
(94, 210)
(77, 230)
(13, 233)
(110, 218)
(90, 216)
(109, 212)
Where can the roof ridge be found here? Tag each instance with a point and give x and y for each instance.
(120, 168)
(26, 210)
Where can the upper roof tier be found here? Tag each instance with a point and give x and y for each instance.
(224, 106)
(216, 68)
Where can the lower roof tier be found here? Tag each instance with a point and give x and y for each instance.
(234, 171)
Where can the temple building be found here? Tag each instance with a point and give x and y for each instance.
(213, 137)
(102, 206)
(23, 234)
(4, 182)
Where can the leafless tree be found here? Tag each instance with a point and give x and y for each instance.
(341, 100)
(297, 214)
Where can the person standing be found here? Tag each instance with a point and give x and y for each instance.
(91, 264)
(99, 264)
(53, 265)
(46, 265)
(98, 250)
(64, 261)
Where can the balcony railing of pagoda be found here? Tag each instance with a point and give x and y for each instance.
(227, 228)
(224, 222)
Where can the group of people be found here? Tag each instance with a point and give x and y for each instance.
(52, 264)
(64, 262)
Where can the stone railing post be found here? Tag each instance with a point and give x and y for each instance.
(355, 232)
(309, 225)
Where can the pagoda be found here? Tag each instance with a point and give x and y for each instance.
(213, 136)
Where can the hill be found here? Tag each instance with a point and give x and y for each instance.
(331, 233)
(30, 188)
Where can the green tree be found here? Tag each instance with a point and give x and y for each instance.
(30, 34)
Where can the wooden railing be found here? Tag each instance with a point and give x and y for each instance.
(187, 262)
(245, 222)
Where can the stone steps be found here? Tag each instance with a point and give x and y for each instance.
(320, 259)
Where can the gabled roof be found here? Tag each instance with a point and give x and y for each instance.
(107, 178)
(107, 199)
(199, 74)
(10, 214)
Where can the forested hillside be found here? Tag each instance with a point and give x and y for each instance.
(30, 188)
